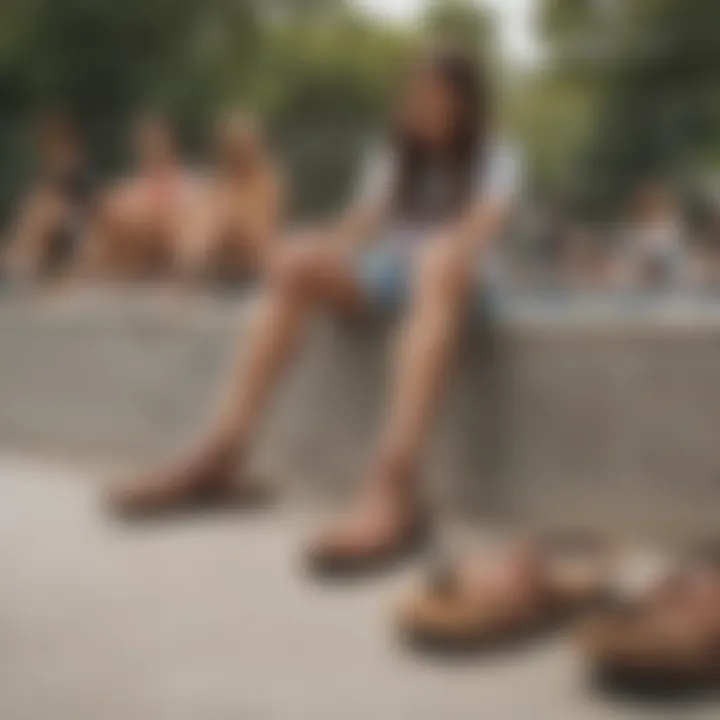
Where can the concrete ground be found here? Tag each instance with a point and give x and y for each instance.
(211, 619)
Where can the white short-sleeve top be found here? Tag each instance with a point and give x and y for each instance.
(497, 177)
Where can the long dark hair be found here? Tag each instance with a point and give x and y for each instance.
(468, 83)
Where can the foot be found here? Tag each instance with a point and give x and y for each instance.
(211, 476)
(386, 526)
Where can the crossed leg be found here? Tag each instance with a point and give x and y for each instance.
(304, 276)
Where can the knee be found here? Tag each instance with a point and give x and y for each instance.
(292, 270)
(444, 270)
(44, 209)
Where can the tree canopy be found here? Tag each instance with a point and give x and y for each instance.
(626, 89)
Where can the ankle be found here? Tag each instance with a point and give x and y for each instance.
(395, 476)
(225, 448)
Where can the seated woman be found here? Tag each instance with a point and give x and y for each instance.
(52, 218)
(424, 222)
(234, 219)
(140, 219)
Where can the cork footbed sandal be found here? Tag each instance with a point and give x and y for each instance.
(670, 639)
(356, 549)
(201, 483)
(531, 587)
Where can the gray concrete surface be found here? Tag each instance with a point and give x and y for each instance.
(603, 414)
(210, 619)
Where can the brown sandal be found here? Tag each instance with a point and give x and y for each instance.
(533, 586)
(206, 481)
(356, 548)
(670, 638)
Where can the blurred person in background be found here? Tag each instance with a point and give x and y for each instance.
(234, 219)
(584, 259)
(546, 254)
(705, 246)
(141, 218)
(51, 222)
(424, 220)
(653, 252)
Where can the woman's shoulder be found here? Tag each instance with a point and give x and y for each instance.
(377, 168)
(500, 171)
(501, 150)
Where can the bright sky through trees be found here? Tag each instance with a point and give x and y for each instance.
(515, 25)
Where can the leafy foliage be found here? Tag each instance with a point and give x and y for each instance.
(650, 72)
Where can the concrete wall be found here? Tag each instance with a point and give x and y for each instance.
(604, 414)
(614, 415)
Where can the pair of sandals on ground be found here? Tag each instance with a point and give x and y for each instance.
(667, 636)
(670, 634)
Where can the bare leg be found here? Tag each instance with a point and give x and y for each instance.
(303, 277)
(389, 514)
(425, 351)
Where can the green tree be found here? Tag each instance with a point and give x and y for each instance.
(461, 22)
(650, 70)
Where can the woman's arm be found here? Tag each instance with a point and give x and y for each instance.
(487, 214)
(364, 216)
(359, 224)
(481, 224)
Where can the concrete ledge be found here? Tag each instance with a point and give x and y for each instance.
(587, 412)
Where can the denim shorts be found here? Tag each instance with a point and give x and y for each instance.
(384, 273)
